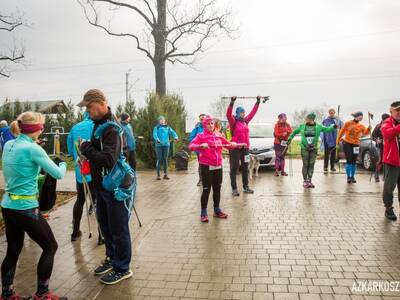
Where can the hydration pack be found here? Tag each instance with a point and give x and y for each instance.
(121, 179)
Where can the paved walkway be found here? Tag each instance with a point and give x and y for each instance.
(65, 185)
(280, 243)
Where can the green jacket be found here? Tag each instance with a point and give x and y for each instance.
(301, 130)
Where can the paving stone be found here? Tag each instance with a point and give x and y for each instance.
(280, 243)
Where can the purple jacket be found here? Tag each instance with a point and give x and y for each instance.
(329, 138)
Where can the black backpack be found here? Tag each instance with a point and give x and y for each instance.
(48, 194)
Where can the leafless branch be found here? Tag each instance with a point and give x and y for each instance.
(203, 23)
(151, 11)
(8, 23)
(95, 22)
(133, 7)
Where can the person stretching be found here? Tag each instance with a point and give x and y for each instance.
(351, 133)
(209, 144)
(282, 132)
(239, 129)
(310, 133)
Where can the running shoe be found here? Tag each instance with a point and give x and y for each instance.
(115, 277)
(48, 296)
(204, 219)
(220, 215)
(104, 268)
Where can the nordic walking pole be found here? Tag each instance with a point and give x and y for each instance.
(338, 145)
(291, 162)
(370, 117)
(87, 191)
(89, 195)
(137, 216)
(264, 98)
(87, 211)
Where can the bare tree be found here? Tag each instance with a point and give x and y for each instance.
(219, 107)
(174, 31)
(299, 116)
(13, 54)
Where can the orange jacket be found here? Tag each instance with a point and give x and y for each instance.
(352, 132)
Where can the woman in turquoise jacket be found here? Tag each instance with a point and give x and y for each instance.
(310, 133)
(161, 134)
(22, 160)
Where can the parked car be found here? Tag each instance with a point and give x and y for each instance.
(368, 156)
(262, 143)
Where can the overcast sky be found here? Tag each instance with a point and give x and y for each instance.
(301, 53)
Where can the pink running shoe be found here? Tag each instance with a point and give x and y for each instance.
(220, 215)
(204, 219)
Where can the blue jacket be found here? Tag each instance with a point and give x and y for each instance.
(196, 130)
(329, 138)
(5, 136)
(130, 138)
(83, 130)
(22, 159)
(161, 135)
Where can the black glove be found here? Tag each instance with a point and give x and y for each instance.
(58, 160)
(258, 99)
(233, 99)
(85, 148)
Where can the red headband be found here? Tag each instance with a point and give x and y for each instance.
(30, 128)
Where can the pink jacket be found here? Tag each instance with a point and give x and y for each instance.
(240, 134)
(212, 156)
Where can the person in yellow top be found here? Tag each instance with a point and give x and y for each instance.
(350, 134)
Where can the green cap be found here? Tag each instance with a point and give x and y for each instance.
(312, 116)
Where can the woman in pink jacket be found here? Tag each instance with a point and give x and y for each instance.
(209, 144)
(238, 124)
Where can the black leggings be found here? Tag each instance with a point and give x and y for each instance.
(79, 203)
(238, 157)
(348, 149)
(211, 179)
(18, 222)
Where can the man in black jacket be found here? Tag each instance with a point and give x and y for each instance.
(112, 215)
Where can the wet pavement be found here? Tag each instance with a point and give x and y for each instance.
(65, 185)
(280, 243)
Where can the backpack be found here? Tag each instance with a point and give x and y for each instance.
(122, 178)
(47, 187)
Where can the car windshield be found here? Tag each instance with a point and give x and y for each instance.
(261, 131)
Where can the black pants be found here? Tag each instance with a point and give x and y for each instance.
(113, 220)
(351, 157)
(211, 179)
(132, 159)
(18, 222)
(79, 203)
(392, 180)
(237, 156)
(330, 155)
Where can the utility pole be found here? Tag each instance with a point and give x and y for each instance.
(127, 85)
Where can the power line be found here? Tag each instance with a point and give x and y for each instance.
(290, 43)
